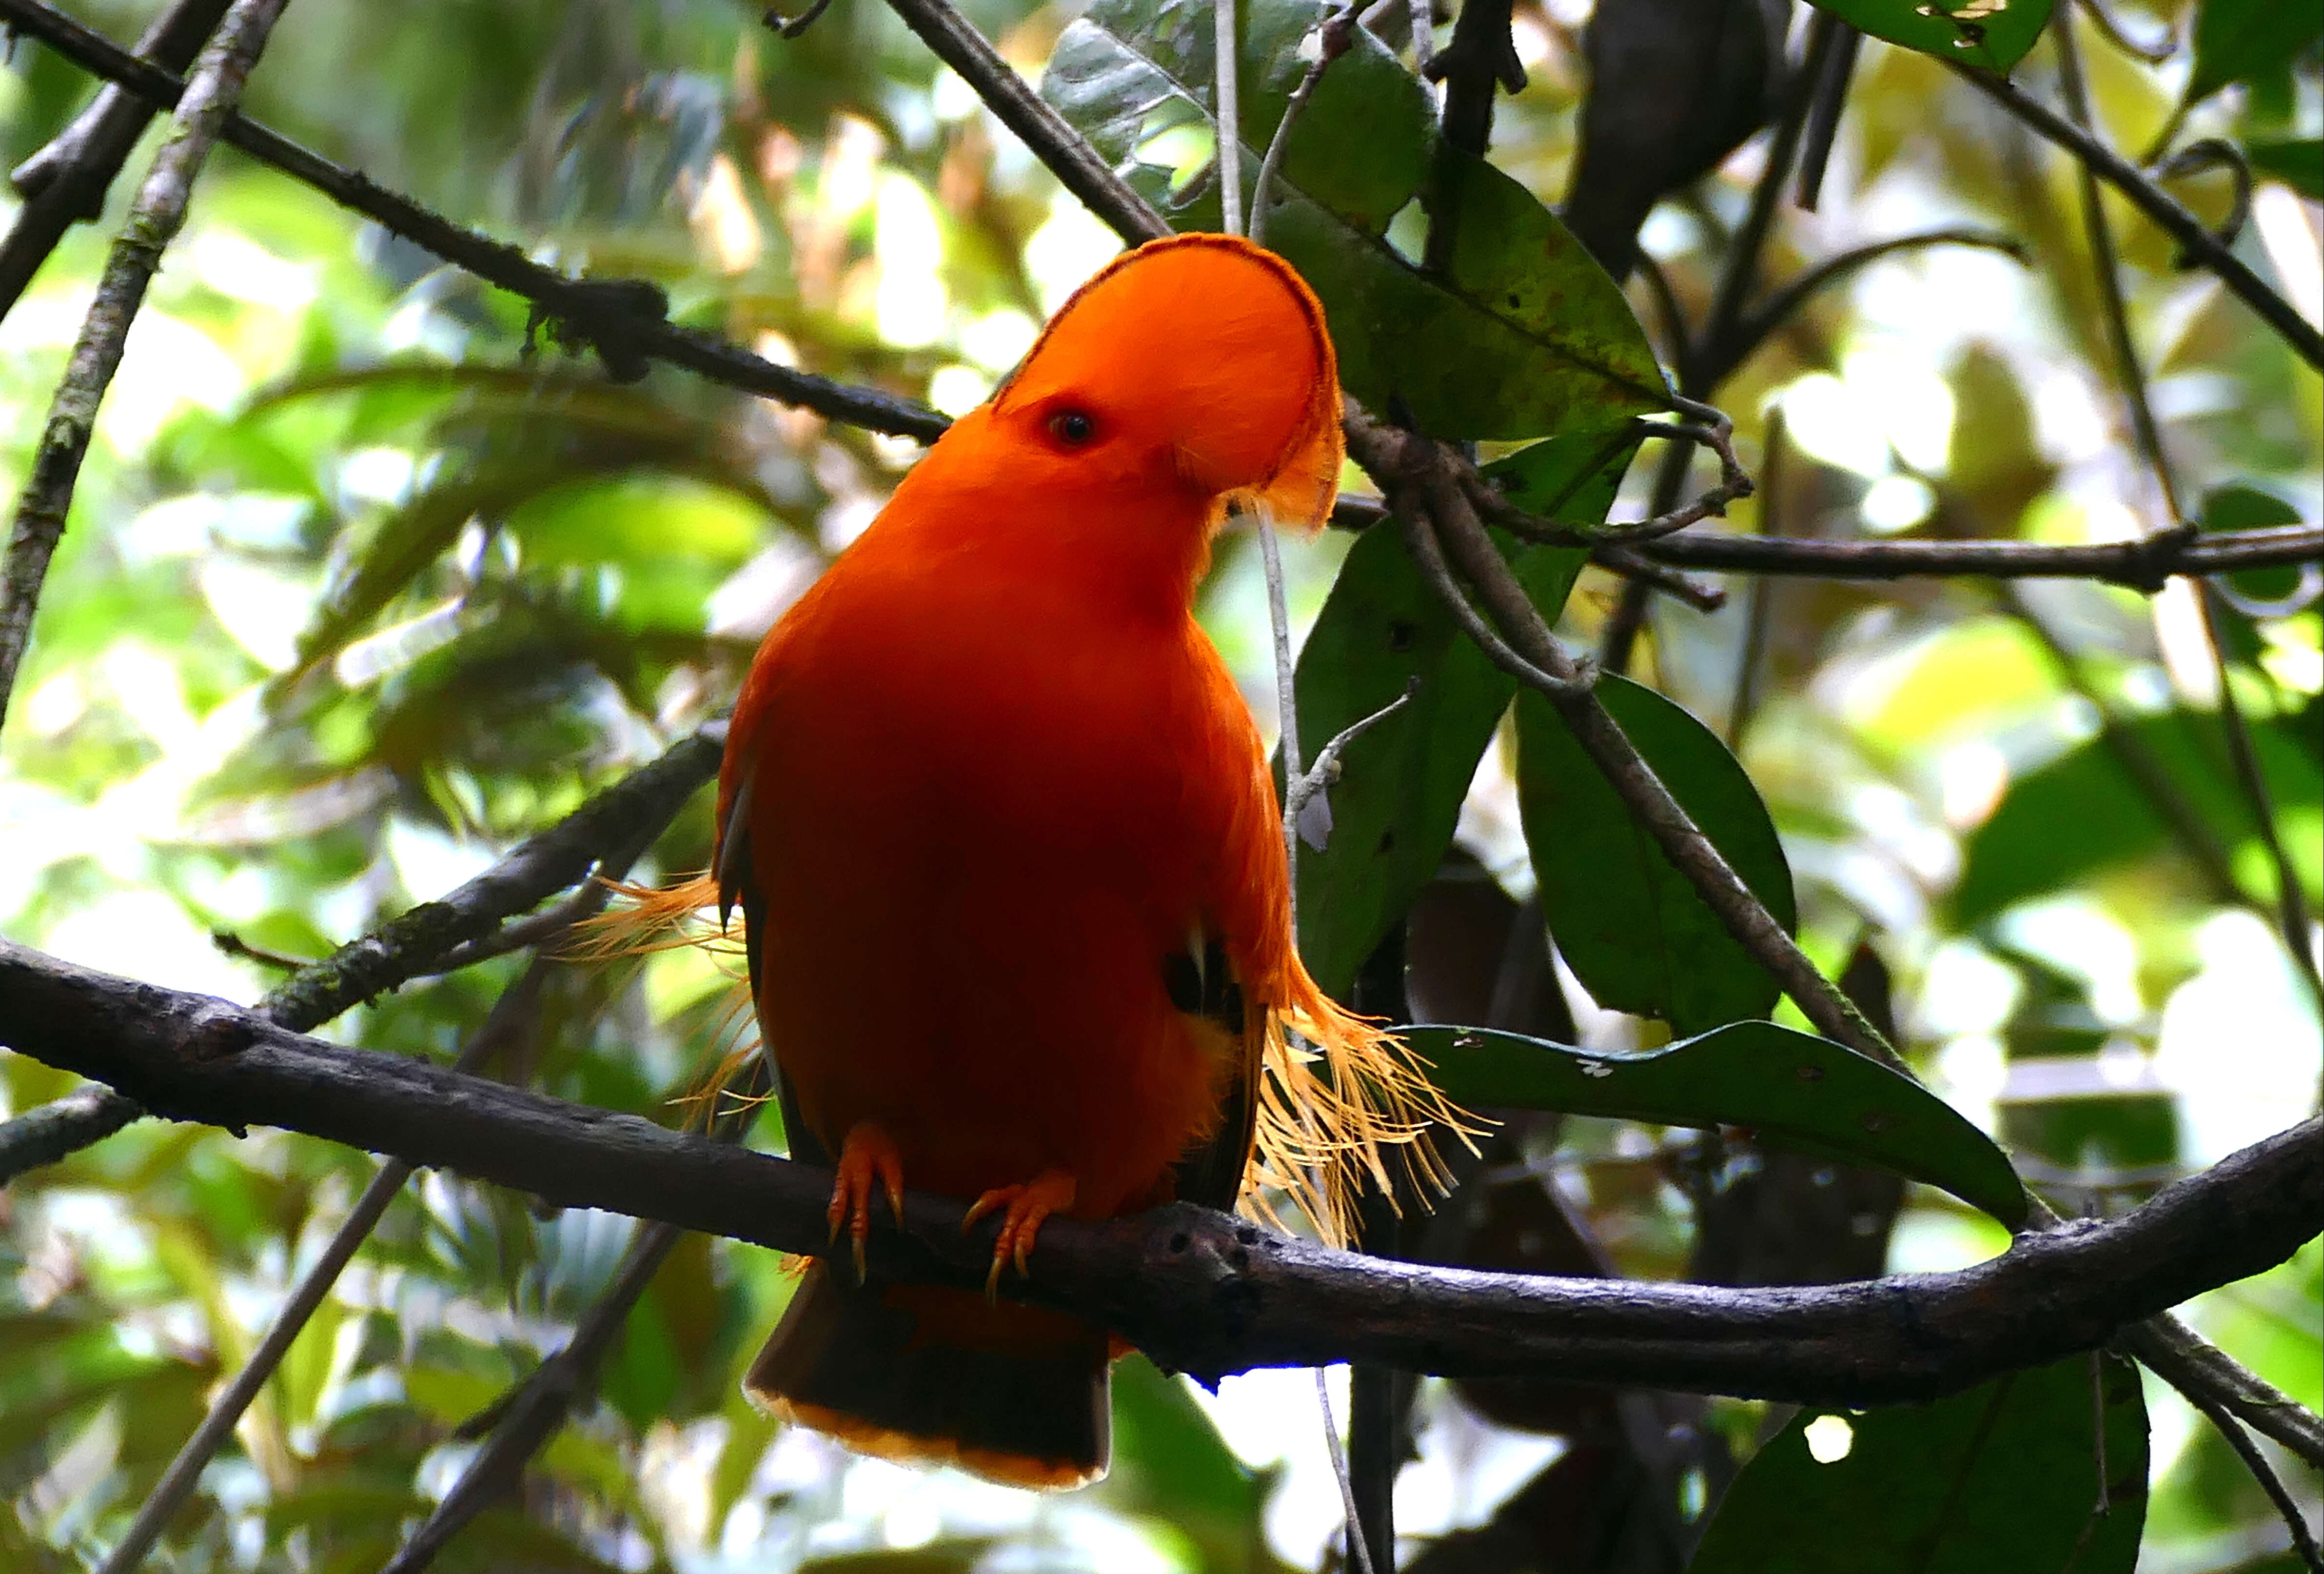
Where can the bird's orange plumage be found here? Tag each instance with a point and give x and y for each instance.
(1011, 861)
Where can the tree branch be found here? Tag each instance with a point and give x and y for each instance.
(60, 1127)
(1198, 1290)
(153, 221)
(2199, 242)
(1012, 100)
(1433, 506)
(617, 316)
(67, 180)
(2140, 565)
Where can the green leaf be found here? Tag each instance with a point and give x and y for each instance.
(2249, 508)
(1169, 1461)
(1630, 925)
(1523, 335)
(1393, 810)
(2297, 164)
(2005, 1477)
(1791, 1088)
(1993, 35)
(2083, 811)
(2236, 40)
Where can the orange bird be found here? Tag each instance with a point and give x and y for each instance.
(1010, 862)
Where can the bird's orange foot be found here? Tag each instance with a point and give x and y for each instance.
(867, 1159)
(1026, 1206)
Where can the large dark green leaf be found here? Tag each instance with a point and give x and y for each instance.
(2084, 811)
(2238, 40)
(1393, 810)
(1629, 924)
(1993, 35)
(1791, 1088)
(2005, 1477)
(1524, 335)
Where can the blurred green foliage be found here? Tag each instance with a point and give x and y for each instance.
(360, 589)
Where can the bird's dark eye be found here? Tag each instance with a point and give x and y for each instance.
(1071, 427)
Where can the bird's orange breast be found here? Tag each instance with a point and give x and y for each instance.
(984, 814)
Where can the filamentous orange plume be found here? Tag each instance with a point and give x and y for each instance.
(1009, 858)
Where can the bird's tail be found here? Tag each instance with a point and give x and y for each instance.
(1017, 1395)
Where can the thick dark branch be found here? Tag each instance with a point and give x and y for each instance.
(154, 219)
(613, 315)
(1197, 1291)
(2199, 242)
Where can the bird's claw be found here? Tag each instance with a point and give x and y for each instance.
(1027, 1206)
(867, 1161)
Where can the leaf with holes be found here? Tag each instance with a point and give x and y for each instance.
(1992, 35)
(1792, 1089)
(2012, 1475)
(1391, 814)
(1632, 926)
(1521, 334)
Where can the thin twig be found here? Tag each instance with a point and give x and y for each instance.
(1434, 507)
(2195, 1367)
(525, 1420)
(2290, 915)
(1359, 1551)
(1711, 429)
(1330, 38)
(2139, 565)
(1325, 768)
(511, 1014)
(234, 945)
(2214, 153)
(1065, 152)
(1628, 563)
(67, 180)
(2139, 762)
(611, 314)
(2304, 337)
(1762, 319)
(2130, 374)
(2110, 27)
(1226, 88)
(2292, 907)
(62, 1126)
(1757, 612)
(154, 219)
(1827, 96)
(1707, 356)
(1423, 13)
(2287, 1507)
